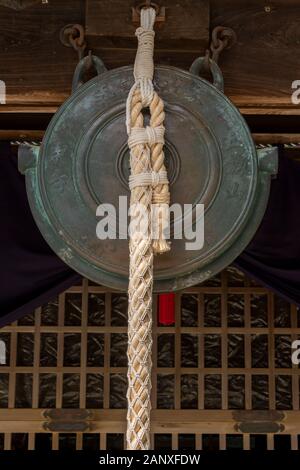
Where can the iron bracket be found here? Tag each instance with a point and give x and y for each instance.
(67, 420)
(258, 421)
(160, 13)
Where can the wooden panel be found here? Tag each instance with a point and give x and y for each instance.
(260, 68)
(18, 4)
(35, 66)
(162, 421)
(244, 311)
(186, 25)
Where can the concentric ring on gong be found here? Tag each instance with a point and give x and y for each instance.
(101, 162)
(172, 163)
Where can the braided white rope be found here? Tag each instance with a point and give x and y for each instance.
(148, 184)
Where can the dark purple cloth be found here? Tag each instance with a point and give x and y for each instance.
(31, 273)
(273, 256)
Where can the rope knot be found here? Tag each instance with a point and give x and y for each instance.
(155, 177)
(145, 35)
(151, 135)
(149, 178)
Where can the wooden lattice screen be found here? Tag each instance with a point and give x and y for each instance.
(230, 350)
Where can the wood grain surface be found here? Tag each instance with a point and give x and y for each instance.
(259, 69)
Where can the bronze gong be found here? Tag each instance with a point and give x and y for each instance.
(210, 157)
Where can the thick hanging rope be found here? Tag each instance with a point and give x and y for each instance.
(149, 216)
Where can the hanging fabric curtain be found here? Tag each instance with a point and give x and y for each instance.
(31, 274)
(273, 256)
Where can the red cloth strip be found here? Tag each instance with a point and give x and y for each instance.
(166, 309)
